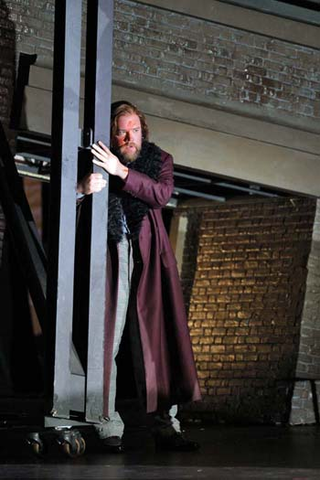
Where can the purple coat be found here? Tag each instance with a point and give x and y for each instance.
(167, 353)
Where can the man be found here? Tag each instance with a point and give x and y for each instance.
(143, 289)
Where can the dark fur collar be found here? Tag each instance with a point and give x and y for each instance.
(123, 205)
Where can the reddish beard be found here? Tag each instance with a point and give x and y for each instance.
(129, 157)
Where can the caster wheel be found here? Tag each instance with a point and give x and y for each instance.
(36, 444)
(37, 448)
(71, 443)
(82, 443)
(71, 449)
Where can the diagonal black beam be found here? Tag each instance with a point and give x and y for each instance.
(97, 119)
(22, 228)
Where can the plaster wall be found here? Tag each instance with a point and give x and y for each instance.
(223, 143)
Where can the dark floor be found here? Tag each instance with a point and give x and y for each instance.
(256, 452)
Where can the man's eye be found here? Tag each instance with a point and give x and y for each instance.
(120, 133)
(136, 130)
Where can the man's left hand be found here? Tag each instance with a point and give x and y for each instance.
(108, 161)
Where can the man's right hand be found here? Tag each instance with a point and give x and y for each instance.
(92, 183)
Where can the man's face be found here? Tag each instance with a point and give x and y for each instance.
(128, 138)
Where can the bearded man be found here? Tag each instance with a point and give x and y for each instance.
(143, 289)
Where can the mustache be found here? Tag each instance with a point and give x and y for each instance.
(129, 144)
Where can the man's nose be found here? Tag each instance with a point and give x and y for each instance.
(128, 136)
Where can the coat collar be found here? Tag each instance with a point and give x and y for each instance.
(124, 209)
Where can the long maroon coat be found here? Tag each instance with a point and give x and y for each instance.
(170, 373)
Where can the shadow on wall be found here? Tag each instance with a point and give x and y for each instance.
(18, 361)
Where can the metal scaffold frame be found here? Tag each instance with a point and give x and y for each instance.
(74, 393)
(72, 389)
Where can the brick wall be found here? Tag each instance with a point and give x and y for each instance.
(192, 59)
(34, 26)
(7, 75)
(246, 305)
(198, 60)
(7, 63)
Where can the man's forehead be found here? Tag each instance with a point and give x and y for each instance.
(129, 119)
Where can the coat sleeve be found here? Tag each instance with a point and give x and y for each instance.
(156, 193)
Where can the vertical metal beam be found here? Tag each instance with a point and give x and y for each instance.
(97, 118)
(65, 125)
(25, 61)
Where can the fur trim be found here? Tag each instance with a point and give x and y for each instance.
(125, 207)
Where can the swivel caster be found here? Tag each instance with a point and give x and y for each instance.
(36, 443)
(72, 443)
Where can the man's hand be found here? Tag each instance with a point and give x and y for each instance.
(92, 183)
(109, 162)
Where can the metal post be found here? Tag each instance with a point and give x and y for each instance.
(65, 125)
(97, 119)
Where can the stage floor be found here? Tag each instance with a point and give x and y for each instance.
(256, 452)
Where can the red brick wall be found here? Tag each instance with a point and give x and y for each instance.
(246, 304)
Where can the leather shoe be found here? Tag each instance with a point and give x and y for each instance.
(176, 443)
(112, 444)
